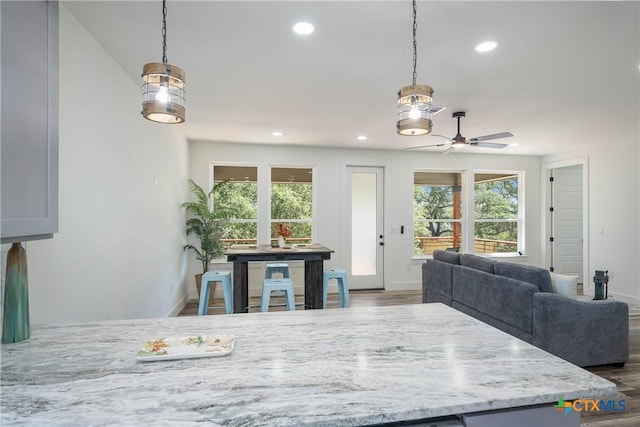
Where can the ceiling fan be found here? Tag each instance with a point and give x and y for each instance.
(460, 141)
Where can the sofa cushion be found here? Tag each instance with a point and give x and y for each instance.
(477, 262)
(447, 256)
(526, 273)
(565, 285)
(501, 298)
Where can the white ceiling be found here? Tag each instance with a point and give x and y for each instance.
(563, 73)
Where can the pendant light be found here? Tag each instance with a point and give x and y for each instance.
(414, 102)
(163, 95)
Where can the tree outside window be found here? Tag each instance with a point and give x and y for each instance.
(291, 203)
(437, 211)
(496, 217)
(236, 195)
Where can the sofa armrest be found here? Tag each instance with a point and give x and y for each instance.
(583, 332)
(437, 277)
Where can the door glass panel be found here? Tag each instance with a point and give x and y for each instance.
(363, 223)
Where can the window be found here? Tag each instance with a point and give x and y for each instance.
(291, 203)
(236, 198)
(437, 211)
(496, 213)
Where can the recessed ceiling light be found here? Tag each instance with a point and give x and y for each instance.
(303, 28)
(362, 137)
(515, 144)
(486, 46)
(276, 133)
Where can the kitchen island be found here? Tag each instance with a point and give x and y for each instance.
(338, 367)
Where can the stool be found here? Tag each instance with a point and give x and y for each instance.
(270, 269)
(343, 288)
(271, 285)
(223, 277)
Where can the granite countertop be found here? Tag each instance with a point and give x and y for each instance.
(338, 367)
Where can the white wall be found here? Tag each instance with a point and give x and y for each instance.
(118, 253)
(614, 205)
(613, 230)
(401, 272)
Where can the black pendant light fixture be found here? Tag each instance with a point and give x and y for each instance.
(414, 109)
(163, 94)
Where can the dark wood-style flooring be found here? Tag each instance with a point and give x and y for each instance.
(627, 379)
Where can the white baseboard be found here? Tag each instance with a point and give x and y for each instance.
(631, 300)
(182, 302)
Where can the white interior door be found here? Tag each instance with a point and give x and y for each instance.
(366, 242)
(567, 222)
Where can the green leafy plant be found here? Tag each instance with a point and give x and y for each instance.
(206, 224)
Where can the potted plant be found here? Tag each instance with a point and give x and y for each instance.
(206, 225)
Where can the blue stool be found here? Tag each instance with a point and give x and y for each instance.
(271, 269)
(343, 288)
(271, 285)
(223, 277)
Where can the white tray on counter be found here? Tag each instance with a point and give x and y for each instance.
(188, 347)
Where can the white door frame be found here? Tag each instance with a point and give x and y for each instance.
(374, 281)
(546, 226)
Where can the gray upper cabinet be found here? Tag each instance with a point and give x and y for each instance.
(29, 123)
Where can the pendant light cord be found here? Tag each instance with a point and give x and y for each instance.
(164, 32)
(415, 44)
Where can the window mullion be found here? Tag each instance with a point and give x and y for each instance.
(264, 205)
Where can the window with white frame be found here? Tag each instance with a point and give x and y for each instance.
(236, 198)
(292, 204)
(497, 218)
(437, 211)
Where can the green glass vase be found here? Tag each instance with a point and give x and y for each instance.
(15, 325)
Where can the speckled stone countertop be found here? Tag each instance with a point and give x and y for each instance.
(337, 367)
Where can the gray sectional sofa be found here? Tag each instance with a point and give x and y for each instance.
(520, 300)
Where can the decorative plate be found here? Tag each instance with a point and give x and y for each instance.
(186, 347)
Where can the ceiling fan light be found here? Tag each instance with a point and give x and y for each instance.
(458, 143)
(163, 94)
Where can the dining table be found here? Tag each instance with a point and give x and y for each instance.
(313, 256)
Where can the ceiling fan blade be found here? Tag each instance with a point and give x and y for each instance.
(448, 150)
(488, 144)
(429, 145)
(490, 137)
(441, 144)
